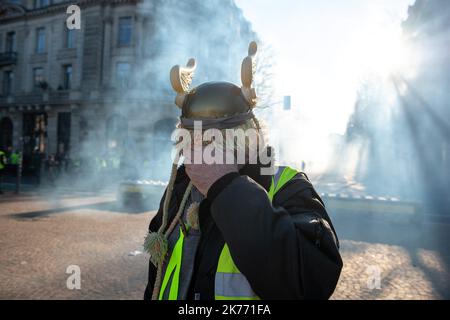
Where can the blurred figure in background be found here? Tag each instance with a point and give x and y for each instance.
(52, 167)
(36, 165)
(2, 167)
(60, 159)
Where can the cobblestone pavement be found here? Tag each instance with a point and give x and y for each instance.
(41, 235)
(401, 276)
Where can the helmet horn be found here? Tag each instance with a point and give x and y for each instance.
(248, 69)
(181, 79)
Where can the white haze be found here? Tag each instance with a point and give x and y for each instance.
(324, 49)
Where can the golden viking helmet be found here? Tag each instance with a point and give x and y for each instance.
(216, 104)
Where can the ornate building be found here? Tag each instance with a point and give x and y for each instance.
(104, 87)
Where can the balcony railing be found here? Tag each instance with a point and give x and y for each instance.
(37, 98)
(8, 58)
(55, 97)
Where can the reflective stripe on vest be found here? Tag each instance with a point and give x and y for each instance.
(230, 283)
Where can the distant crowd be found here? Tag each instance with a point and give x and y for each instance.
(39, 168)
(9, 163)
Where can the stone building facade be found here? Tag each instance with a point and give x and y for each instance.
(104, 87)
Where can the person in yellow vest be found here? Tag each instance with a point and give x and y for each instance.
(15, 158)
(236, 230)
(3, 162)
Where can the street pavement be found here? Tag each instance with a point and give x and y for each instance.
(42, 234)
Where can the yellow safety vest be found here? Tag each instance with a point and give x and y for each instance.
(230, 283)
(15, 158)
(2, 158)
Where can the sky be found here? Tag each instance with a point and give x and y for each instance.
(325, 48)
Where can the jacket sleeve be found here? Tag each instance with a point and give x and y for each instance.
(287, 250)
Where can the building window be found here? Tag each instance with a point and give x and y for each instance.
(40, 40)
(38, 77)
(123, 71)
(41, 3)
(8, 77)
(70, 38)
(67, 76)
(10, 41)
(125, 31)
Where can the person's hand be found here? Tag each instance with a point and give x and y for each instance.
(204, 175)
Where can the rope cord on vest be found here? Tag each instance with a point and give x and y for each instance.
(167, 199)
(157, 285)
(156, 243)
(180, 210)
(164, 235)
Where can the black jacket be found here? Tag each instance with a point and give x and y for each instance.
(287, 249)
